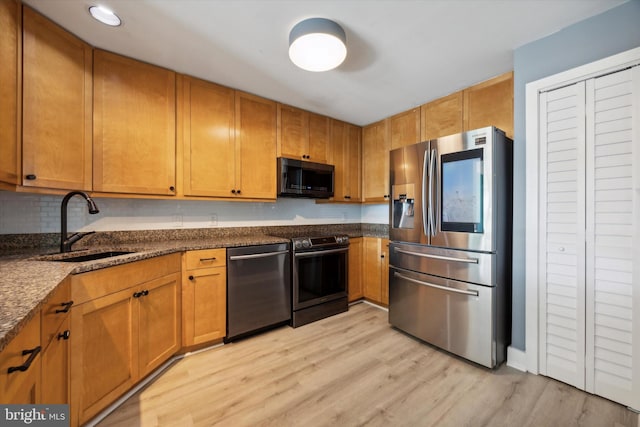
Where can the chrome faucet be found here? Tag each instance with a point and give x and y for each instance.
(65, 243)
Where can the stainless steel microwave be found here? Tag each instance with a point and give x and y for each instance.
(297, 178)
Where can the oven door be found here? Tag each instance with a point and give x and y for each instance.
(319, 276)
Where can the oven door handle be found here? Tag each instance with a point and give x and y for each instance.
(440, 257)
(254, 256)
(316, 253)
(432, 285)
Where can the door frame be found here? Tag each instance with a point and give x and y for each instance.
(533, 89)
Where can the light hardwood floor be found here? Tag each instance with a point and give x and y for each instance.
(349, 370)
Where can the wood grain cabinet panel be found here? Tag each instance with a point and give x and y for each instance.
(404, 128)
(319, 138)
(375, 269)
(355, 269)
(442, 116)
(10, 83)
(134, 126)
(375, 162)
(21, 387)
(56, 106)
(207, 120)
(490, 103)
(346, 141)
(303, 135)
(56, 365)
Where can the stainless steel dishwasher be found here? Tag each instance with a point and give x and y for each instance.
(258, 288)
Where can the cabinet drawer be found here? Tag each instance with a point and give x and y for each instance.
(55, 311)
(21, 386)
(206, 258)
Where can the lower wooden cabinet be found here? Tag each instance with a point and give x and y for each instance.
(19, 386)
(56, 365)
(204, 296)
(355, 269)
(375, 269)
(125, 324)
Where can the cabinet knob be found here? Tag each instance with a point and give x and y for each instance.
(30, 177)
(237, 191)
(191, 277)
(233, 191)
(64, 335)
(172, 188)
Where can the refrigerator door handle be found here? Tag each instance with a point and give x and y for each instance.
(440, 257)
(432, 285)
(432, 173)
(425, 220)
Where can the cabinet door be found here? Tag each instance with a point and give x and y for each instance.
(354, 158)
(56, 108)
(293, 132)
(105, 356)
(134, 126)
(371, 271)
(20, 387)
(490, 103)
(208, 138)
(159, 336)
(347, 155)
(204, 294)
(384, 271)
(10, 99)
(319, 139)
(55, 366)
(255, 147)
(355, 269)
(442, 117)
(375, 162)
(404, 128)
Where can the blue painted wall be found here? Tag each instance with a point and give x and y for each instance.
(595, 38)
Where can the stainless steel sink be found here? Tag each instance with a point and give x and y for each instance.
(85, 257)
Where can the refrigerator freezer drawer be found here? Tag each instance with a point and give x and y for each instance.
(457, 317)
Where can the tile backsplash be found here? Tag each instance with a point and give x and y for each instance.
(32, 213)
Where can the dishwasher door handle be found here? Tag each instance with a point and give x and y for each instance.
(254, 256)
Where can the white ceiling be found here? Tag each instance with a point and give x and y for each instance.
(401, 53)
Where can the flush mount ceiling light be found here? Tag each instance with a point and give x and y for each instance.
(105, 16)
(317, 44)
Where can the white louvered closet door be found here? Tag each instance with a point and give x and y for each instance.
(562, 234)
(612, 249)
(590, 235)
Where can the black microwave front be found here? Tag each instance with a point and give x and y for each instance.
(297, 178)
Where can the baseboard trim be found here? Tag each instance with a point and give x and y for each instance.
(517, 359)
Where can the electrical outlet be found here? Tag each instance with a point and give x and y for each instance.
(177, 220)
(213, 222)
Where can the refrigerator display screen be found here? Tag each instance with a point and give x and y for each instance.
(461, 191)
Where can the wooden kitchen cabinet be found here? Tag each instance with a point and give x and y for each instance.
(404, 128)
(303, 135)
(134, 126)
(356, 291)
(56, 106)
(10, 85)
(56, 360)
(375, 270)
(442, 117)
(125, 322)
(20, 387)
(490, 103)
(204, 296)
(346, 141)
(375, 162)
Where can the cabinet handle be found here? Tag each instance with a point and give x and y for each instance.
(67, 306)
(233, 191)
(172, 188)
(64, 335)
(30, 177)
(145, 293)
(208, 259)
(205, 275)
(347, 197)
(141, 294)
(32, 355)
(238, 192)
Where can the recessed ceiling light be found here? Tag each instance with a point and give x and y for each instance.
(105, 16)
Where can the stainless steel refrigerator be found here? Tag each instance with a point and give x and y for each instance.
(450, 253)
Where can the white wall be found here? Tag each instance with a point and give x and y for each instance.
(30, 213)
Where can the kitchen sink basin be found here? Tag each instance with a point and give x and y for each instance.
(85, 257)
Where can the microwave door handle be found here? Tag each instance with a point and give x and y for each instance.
(425, 180)
(432, 201)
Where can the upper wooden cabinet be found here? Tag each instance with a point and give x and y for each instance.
(255, 147)
(404, 128)
(303, 135)
(10, 100)
(206, 130)
(375, 162)
(134, 126)
(442, 117)
(346, 141)
(56, 107)
(490, 103)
